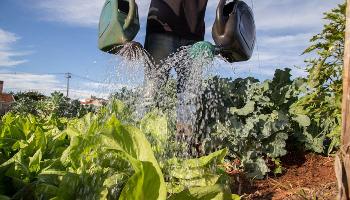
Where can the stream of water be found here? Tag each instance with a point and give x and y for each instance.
(193, 65)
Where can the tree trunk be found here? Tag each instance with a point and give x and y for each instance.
(342, 161)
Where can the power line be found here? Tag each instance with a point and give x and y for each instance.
(85, 78)
(65, 74)
(67, 89)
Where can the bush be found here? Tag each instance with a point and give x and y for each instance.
(258, 124)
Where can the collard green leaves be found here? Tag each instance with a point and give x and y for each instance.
(259, 124)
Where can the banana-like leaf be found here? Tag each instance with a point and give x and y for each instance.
(213, 192)
(194, 172)
(112, 147)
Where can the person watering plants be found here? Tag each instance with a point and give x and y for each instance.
(172, 24)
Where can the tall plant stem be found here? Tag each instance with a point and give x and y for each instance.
(342, 163)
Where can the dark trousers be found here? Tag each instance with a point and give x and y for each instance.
(160, 46)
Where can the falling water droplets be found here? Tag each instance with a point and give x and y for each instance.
(194, 66)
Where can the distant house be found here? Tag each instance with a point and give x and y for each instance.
(5, 100)
(94, 101)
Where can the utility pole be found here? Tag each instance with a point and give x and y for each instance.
(68, 76)
(342, 160)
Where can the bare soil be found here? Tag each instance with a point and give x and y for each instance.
(306, 176)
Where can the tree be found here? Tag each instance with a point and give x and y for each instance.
(33, 95)
(322, 99)
(57, 105)
(27, 102)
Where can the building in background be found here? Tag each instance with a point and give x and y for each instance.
(5, 100)
(94, 101)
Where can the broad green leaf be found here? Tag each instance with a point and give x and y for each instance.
(34, 162)
(122, 144)
(68, 185)
(157, 126)
(255, 166)
(16, 158)
(303, 120)
(194, 172)
(214, 192)
(135, 145)
(206, 178)
(46, 191)
(144, 184)
(236, 197)
(194, 168)
(246, 110)
(3, 197)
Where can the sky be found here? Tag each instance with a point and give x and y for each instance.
(42, 40)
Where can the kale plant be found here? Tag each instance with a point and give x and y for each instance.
(259, 124)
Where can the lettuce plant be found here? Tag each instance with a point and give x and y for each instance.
(99, 157)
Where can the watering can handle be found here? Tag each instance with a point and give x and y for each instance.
(131, 14)
(219, 16)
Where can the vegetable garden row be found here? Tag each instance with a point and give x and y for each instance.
(54, 148)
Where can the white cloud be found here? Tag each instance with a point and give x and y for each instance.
(47, 84)
(9, 57)
(27, 81)
(271, 14)
(287, 41)
(80, 12)
(83, 94)
(283, 32)
(108, 86)
(7, 38)
(283, 27)
(76, 12)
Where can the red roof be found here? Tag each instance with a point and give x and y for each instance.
(93, 101)
(6, 98)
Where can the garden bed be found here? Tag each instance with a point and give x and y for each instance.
(307, 176)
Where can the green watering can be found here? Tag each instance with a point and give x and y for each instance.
(119, 24)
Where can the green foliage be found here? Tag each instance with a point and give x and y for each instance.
(215, 192)
(182, 174)
(97, 157)
(35, 96)
(129, 97)
(118, 153)
(259, 122)
(56, 105)
(325, 71)
(219, 96)
(30, 147)
(28, 102)
(322, 100)
(156, 128)
(190, 173)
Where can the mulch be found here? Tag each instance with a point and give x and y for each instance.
(306, 176)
